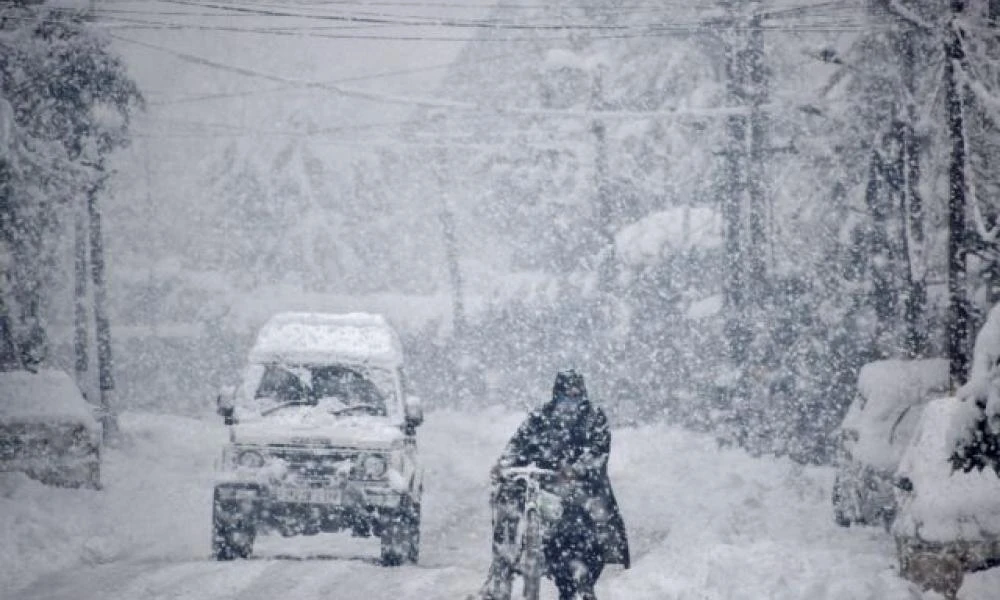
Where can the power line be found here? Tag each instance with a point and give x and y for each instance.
(491, 24)
(382, 75)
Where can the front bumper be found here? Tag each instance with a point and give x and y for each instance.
(346, 496)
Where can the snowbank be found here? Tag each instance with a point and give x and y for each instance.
(703, 523)
(156, 504)
(48, 395)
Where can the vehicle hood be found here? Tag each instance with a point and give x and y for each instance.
(364, 432)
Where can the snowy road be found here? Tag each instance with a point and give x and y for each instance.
(705, 524)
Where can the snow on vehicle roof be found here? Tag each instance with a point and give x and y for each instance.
(47, 395)
(945, 505)
(304, 337)
(891, 389)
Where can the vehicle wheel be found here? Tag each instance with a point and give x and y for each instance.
(401, 535)
(413, 544)
(233, 531)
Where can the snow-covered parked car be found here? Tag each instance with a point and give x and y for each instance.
(948, 521)
(323, 438)
(875, 432)
(47, 429)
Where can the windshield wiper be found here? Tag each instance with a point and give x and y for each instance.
(372, 408)
(264, 413)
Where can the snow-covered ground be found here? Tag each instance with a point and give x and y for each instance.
(705, 523)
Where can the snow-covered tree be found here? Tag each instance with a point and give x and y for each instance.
(70, 100)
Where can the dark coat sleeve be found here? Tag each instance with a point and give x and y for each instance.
(590, 463)
(523, 445)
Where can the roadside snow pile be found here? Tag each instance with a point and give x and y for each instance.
(736, 527)
(704, 523)
(156, 502)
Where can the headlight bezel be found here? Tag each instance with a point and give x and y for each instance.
(248, 459)
(372, 467)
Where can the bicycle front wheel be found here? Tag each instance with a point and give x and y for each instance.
(533, 557)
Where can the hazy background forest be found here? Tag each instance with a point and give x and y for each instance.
(718, 218)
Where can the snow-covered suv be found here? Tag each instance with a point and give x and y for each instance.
(875, 433)
(949, 521)
(322, 438)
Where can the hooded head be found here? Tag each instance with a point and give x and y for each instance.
(569, 394)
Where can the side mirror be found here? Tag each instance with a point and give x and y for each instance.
(224, 404)
(414, 412)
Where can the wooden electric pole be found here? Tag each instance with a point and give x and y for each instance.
(102, 325)
(734, 288)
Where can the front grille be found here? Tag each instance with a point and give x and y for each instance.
(315, 467)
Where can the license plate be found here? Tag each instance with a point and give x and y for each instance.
(307, 495)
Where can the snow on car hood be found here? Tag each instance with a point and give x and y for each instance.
(945, 505)
(308, 426)
(47, 396)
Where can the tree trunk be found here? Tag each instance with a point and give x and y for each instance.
(915, 300)
(958, 312)
(9, 359)
(882, 294)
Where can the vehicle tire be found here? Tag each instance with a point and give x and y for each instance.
(401, 535)
(533, 556)
(413, 543)
(233, 531)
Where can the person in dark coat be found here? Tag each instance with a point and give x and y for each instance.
(570, 436)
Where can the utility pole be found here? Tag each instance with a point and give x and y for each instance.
(745, 204)
(450, 240)
(102, 325)
(605, 214)
(958, 312)
(757, 210)
(734, 289)
(81, 332)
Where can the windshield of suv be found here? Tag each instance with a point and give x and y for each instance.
(337, 389)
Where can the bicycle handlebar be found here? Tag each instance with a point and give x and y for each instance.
(526, 472)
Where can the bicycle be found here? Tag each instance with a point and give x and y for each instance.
(540, 510)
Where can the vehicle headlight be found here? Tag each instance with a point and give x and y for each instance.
(250, 459)
(373, 466)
